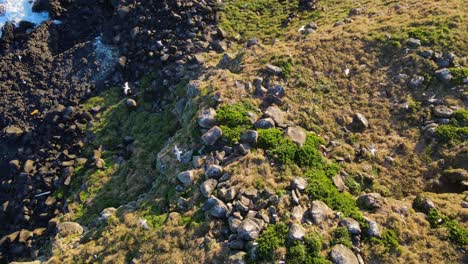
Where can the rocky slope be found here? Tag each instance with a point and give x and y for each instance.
(254, 132)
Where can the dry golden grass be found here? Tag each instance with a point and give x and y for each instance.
(320, 98)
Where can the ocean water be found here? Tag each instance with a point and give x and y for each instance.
(20, 10)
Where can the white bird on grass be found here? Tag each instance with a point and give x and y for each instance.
(178, 153)
(126, 89)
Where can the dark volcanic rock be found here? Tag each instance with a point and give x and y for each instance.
(46, 72)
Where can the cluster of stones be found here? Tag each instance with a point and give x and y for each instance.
(27, 193)
(249, 211)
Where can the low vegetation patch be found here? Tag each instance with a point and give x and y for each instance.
(457, 234)
(270, 240)
(340, 235)
(459, 75)
(261, 18)
(389, 240)
(286, 151)
(451, 135)
(234, 120)
(275, 237)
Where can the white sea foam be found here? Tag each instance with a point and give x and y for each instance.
(20, 10)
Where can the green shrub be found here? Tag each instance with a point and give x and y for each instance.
(313, 243)
(460, 118)
(286, 67)
(282, 149)
(353, 186)
(286, 151)
(297, 253)
(439, 35)
(390, 240)
(234, 120)
(309, 155)
(341, 236)
(321, 187)
(233, 115)
(307, 252)
(458, 75)
(269, 138)
(232, 135)
(456, 233)
(449, 134)
(271, 239)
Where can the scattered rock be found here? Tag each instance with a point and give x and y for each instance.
(131, 104)
(442, 111)
(13, 132)
(343, 255)
(214, 172)
(373, 230)
(359, 123)
(299, 183)
(207, 187)
(339, 183)
(248, 230)
(296, 134)
(297, 213)
(186, 177)
(423, 204)
(65, 229)
(272, 69)
(356, 12)
(249, 137)
(277, 115)
(320, 212)
(370, 201)
(296, 232)
(206, 118)
(237, 258)
(444, 75)
(211, 136)
(216, 207)
(416, 82)
(427, 54)
(414, 43)
(265, 123)
(352, 225)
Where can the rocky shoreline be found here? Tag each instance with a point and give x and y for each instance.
(46, 72)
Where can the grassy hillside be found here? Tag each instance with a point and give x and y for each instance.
(362, 65)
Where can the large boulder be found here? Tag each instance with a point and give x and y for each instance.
(277, 115)
(248, 230)
(13, 132)
(296, 232)
(320, 212)
(65, 229)
(442, 111)
(206, 118)
(455, 175)
(343, 255)
(352, 226)
(212, 135)
(360, 122)
(265, 123)
(370, 201)
(299, 183)
(296, 134)
(186, 177)
(207, 187)
(214, 172)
